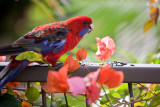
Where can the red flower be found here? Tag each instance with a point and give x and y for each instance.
(87, 85)
(72, 64)
(2, 58)
(110, 77)
(26, 104)
(12, 84)
(106, 48)
(57, 81)
(81, 54)
(44, 86)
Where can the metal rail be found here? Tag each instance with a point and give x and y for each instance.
(133, 73)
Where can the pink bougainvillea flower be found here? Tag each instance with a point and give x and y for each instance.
(2, 58)
(77, 85)
(110, 77)
(87, 85)
(106, 48)
(81, 54)
(57, 81)
(72, 64)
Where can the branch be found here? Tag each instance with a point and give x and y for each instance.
(29, 102)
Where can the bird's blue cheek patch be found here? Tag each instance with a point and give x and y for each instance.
(84, 31)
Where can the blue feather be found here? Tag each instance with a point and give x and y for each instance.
(83, 32)
(11, 73)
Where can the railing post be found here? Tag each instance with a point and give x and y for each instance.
(86, 99)
(131, 93)
(44, 104)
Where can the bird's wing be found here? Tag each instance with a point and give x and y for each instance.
(44, 40)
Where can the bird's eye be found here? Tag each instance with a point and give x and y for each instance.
(85, 23)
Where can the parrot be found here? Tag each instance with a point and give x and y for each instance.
(50, 40)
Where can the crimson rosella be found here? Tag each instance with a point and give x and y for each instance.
(51, 40)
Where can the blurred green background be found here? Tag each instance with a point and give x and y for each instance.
(123, 20)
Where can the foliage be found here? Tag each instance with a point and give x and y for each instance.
(32, 94)
(154, 14)
(127, 21)
(8, 100)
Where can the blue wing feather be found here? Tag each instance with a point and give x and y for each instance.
(9, 74)
(44, 43)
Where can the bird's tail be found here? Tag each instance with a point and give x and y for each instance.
(10, 50)
(11, 70)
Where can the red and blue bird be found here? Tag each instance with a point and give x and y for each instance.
(51, 40)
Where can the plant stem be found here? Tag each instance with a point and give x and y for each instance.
(65, 96)
(29, 102)
(52, 99)
(28, 85)
(49, 65)
(107, 96)
(77, 98)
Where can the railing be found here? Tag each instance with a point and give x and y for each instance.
(133, 73)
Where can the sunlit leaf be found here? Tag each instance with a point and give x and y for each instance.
(147, 26)
(152, 86)
(154, 14)
(32, 94)
(138, 104)
(81, 54)
(155, 58)
(157, 88)
(155, 101)
(72, 64)
(116, 95)
(30, 55)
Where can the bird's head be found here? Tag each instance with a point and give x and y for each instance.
(79, 25)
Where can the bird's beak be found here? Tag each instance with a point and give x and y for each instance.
(91, 27)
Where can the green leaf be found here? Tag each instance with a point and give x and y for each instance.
(104, 100)
(8, 100)
(157, 88)
(30, 56)
(155, 101)
(155, 58)
(147, 26)
(57, 103)
(32, 94)
(116, 95)
(10, 90)
(19, 103)
(64, 105)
